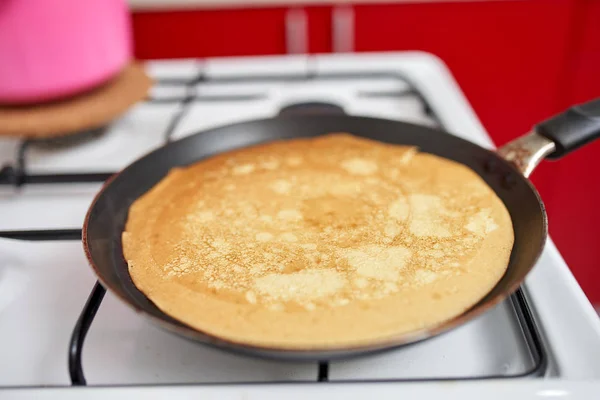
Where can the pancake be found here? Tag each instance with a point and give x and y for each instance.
(317, 243)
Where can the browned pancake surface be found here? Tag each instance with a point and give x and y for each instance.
(318, 243)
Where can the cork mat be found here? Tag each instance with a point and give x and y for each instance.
(86, 111)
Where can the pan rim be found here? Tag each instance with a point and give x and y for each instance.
(311, 354)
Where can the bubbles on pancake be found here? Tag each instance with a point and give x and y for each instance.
(281, 186)
(430, 217)
(243, 169)
(179, 266)
(251, 297)
(288, 237)
(221, 246)
(270, 164)
(264, 236)
(481, 223)
(361, 283)
(289, 215)
(399, 209)
(424, 276)
(391, 230)
(408, 156)
(205, 216)
(360, 166)
(293, 161)
(302, 286)
(378, 262)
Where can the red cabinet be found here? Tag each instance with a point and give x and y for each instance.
(506, 55)
(230, 32)
(575, 208)
(202, 33)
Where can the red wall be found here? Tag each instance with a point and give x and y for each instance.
(518, 61)
(576, 195)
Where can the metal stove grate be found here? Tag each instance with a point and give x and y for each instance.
(17, 175)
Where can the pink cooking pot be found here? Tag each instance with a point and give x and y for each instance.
(56, 48)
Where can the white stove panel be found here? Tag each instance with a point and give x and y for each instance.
(139, 131)
(174, 70)
(8, 151)
(407, 109)
(201, 115)
(493, 390)
(43, 287)
(358, 86)
(45, 206)
(356, 97)
(123, 347)
(365, 96)
(429, 75)
(490, 345)
(259, 66)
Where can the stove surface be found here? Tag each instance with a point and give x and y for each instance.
(44, 284)
(50, 280)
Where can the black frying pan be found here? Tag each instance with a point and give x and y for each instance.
(553, 138)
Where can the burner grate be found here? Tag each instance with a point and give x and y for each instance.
(79, 333)
(17, 176)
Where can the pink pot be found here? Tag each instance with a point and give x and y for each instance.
(56, 48)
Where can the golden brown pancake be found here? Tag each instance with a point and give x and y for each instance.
(327, 242)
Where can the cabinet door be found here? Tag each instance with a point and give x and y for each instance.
(583, 67)
(319, 29)
(209, 33)
(576, 227)
(231, 32)
(507, 55)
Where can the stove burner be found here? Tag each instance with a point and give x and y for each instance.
(16, 175)
(69, 140)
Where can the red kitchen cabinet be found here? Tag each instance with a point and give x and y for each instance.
(575, 225)
(583, 65)
(203, 33)
(228, 32)
(319, 29)
(506, 55)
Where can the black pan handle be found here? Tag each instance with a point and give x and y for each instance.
(573, 128)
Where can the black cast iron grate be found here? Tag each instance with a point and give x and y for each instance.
(17, 175)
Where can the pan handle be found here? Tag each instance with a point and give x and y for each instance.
(555, 137)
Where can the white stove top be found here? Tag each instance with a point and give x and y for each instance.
(44, 284)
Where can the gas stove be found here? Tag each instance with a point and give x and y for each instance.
(59, 329)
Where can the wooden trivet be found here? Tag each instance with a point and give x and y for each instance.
(83, 112)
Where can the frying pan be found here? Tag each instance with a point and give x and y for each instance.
(505, 171)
